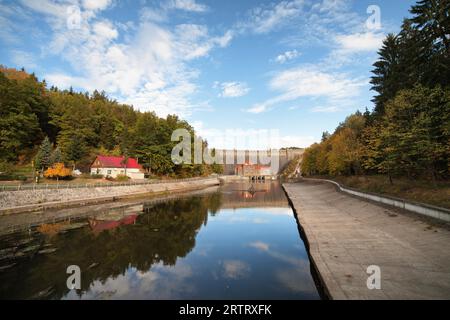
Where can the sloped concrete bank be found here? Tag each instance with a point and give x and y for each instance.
(39, 200)
(346, 237)
(419, 208)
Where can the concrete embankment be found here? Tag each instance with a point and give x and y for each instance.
(35, 200)
(346, 235)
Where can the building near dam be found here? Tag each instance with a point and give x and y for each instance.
(235, 160)
(254, 171)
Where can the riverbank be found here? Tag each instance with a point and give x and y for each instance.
(413, 190)
(345, 235)
(13, 223)
(41, 200)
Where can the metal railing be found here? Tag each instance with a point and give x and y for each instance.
(57, 186)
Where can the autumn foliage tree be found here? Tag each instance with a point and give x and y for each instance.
(58, 171)
(80, 126)
(408, 133)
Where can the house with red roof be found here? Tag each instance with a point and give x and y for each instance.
(110, 166)
(254, 171)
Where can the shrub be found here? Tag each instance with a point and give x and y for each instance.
(91, 176)
(12, 177)
(6, 168)
(58, 171)
(122, 177)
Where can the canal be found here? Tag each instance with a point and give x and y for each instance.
(239, 241)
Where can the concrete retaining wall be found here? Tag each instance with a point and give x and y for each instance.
(30, 200)
(420, 208)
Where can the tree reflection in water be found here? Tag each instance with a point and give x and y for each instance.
(217, 245)
(160, 235)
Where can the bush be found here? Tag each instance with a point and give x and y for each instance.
(6, 168)
(91, 176)
(122, 177)
(58, 171)
(12, 177)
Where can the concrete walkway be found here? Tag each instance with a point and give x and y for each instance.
(346, 235)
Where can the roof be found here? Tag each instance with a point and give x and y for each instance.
(116, 162)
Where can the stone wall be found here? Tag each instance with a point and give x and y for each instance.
(28, 199)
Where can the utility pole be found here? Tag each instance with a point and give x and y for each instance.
(34, 171)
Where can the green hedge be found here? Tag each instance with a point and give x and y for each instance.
(12, 177)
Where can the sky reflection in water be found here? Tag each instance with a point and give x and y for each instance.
(224, 245)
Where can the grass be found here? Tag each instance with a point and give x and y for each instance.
(419, 190)
(27, 171)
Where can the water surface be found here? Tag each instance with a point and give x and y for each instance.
(239, 242)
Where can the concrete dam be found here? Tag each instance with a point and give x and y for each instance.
(231, 158)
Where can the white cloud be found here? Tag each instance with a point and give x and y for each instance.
(310, 82)
(48, 7)
(235, 269)
(106, 30)
(287, 56)
(96, 4)
(250, 139)
(12, 22)
(325, 109)
(232, 89)
(360, 42)
(153, 14)
(262, 246)
(149, 68)
(296, 141)
(259, 108)
(160, 282)
(266, 19)
(187, 5)
(23, 59)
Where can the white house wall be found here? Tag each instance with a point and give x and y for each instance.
(134, 174)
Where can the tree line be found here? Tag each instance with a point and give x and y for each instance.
(408, 132)
(49, 125)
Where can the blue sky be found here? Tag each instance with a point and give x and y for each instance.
(299, 66)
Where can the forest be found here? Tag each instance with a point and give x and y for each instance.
(407, 134)
(44, 126)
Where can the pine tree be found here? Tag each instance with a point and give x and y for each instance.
(74, 150)
(43, 157)
(432, 17)
(386, 76)
(431, 20)
(56, 156)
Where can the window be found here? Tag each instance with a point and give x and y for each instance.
(109, 171)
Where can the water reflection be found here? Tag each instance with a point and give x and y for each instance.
(220, 245)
